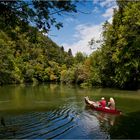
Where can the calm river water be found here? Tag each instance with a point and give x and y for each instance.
(58, 111)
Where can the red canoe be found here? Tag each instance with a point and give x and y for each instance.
(88, 102)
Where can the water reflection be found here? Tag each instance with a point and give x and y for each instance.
(49, 124)
(127, 127)
(104, 117)
(57, 111)
(118, 126)
(106, 120)
(2, 121)
(6, 129)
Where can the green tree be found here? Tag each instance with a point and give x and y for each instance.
(120, 47)
(79, 57)
(41, 14)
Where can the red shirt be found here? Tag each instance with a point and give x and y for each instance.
(103, 103)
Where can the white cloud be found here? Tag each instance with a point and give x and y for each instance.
(110, 20)
(105, 3)
(70, 19)
(83, 34)
(108, 13)
(108, 4)
(95, 10)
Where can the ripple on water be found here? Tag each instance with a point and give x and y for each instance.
(49, 124)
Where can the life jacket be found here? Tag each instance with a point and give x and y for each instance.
(103, 103)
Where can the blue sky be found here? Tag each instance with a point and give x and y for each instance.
(79, 28)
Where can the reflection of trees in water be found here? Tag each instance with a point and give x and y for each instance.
(2, 121)
(4, 129)
(106, 120)
(126, 127)
(53, 123)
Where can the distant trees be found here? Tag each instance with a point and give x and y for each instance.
(79, 57)
(26, 55)
(22, 60)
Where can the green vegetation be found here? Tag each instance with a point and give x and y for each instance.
(27, 60)
(42, 14)
(117, 62)
(27, 55)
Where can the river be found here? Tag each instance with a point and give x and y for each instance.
(53, 111)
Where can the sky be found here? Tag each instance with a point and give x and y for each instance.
(79, 28)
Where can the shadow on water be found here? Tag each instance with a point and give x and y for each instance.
(4, 129)
(106, 120)
(112, 125)
(118, 126)
(127, 127)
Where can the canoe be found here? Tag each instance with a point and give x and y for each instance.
(106, 110)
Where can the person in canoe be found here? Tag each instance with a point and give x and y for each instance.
(102, 102)
(111, 103)
(96, 104)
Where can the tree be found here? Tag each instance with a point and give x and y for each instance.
(41, 14)
(79, 57)
(69, 52)
(91, 43)
(120, 47)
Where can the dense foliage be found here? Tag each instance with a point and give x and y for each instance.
(28, 59)
(119, 59)
(26, 55)
(41, 14)
(117, 62)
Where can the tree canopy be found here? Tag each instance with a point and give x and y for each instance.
(41, 14)
(27, 55)
(117, 62)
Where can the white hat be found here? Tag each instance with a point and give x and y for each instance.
(102, 98)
